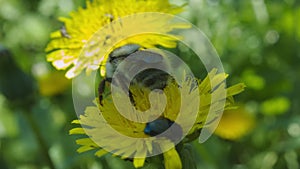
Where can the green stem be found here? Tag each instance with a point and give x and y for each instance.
(39, 138)
(104, 162)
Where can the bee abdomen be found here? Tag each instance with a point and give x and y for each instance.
(152, 79)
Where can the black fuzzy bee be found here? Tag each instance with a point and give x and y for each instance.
(149, 78)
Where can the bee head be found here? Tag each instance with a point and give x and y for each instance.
(161, 125)
(157, 126)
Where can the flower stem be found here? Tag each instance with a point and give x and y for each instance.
(43, 146)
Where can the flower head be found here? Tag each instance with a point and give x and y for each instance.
(90, 34)
(235, 124)
(109, 131)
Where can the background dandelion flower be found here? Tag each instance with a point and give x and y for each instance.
(235, 124)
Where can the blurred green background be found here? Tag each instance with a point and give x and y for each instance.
(258, 42)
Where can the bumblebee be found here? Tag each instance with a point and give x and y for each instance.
(149, 78)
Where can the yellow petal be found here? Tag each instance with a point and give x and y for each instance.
(84, 149)
(172, 159)
(75, 122)
(77, 131)
(100, 153)
(138, 162)
(236, 89)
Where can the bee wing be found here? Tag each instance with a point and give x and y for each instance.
(147, 57)
(125, 50)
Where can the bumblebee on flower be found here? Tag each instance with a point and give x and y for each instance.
(130, 139)
(155, 117)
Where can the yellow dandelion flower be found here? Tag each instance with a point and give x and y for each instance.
(92, 33)
(109, 131)
(235, 124)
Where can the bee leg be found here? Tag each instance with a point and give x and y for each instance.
(132, 99)
(108, 79)
(101, 89)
